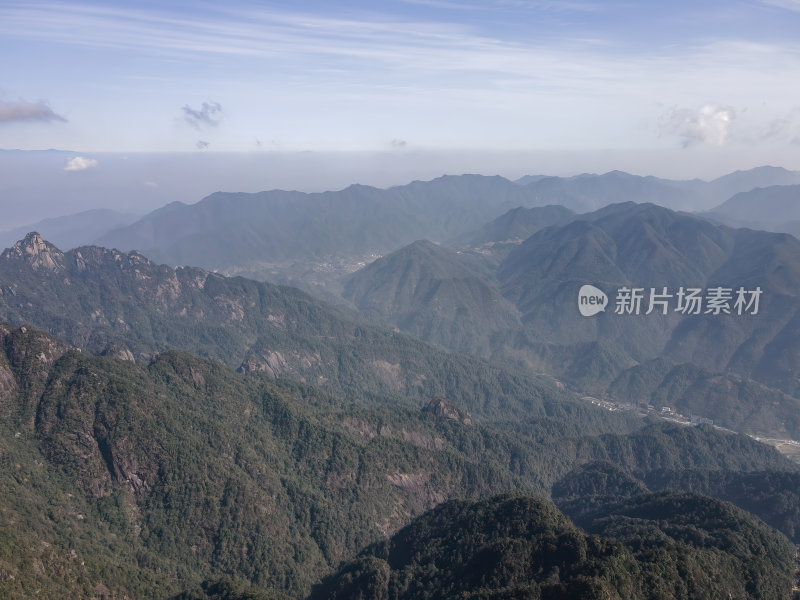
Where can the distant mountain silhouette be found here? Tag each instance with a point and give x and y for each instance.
(773, 208)
(514, 226)
(73, 230)
(238, 231)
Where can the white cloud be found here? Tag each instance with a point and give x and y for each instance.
(79, 163)
(27, 111)
(709, 124)
(724, 125)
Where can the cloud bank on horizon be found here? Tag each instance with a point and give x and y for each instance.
(355, 75)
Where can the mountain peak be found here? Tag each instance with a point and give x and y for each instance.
(33, 237)
(34, 250)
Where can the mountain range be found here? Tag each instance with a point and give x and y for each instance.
(174, 432)
(308, 240)
(525, 312)
(126, 306)
(273, 234)
(150, 472)
(510, 303)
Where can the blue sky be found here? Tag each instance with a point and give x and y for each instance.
(414, 74)
(313, 95)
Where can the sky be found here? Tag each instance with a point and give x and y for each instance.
(682, 88)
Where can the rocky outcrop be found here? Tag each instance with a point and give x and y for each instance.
(442, 408)
(119, 352)
(38, 253)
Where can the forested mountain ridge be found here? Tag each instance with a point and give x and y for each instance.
(225, 230)
(122, 304)
(202, 472)
(649, 247)
(521, 546)
(499, 236)
(146, 480)
(773, 496)
(428, 291)
(716, 366)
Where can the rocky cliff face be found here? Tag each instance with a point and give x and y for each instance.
(36, 252)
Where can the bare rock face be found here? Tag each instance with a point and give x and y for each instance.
(276, 363)
(442, 408)
(37, 253)
(119, 352)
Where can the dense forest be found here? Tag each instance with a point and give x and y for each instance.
(180, 476)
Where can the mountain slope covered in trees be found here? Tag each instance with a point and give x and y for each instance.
(523, 547)
(740, 370)
(148, 480)
(124, 305)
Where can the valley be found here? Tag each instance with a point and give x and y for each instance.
(789, 448)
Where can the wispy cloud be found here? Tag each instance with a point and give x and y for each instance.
(446, 4)
(787, 4)
(780, 127)
(381, 43)
(11, 112)
(527, 81)
(236, 32)
(79, 163)
(209, 115)
(377, 41)
(202, 144)
(556, 5)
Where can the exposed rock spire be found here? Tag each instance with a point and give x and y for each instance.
(36, 252)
